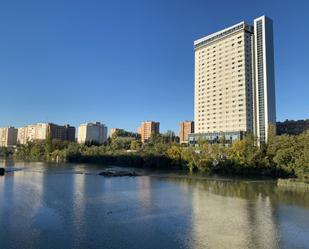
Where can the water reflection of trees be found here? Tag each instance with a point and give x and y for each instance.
(250, 190)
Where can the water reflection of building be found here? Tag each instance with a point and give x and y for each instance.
(220, 221)
(144, 192)
(20, 201)
(228, 214)
(78, 205)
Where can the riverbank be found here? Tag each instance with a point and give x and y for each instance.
(151, 161)
(284, 156)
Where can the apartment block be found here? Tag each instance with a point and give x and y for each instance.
(42, 131)
(25, 134)
(186, 128)
(94, 132)
(70, 133)
(61, 132)
(147, 129)
(8, 136)
(234, 82)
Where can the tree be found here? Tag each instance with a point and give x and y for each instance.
(121, 143)
(124, 133)
(244, 152)
(175, 153)
(135, 145)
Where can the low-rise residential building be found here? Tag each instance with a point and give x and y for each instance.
(147, 129)
(186, 128)
(292, 127)
(94, 132)
(8, 136)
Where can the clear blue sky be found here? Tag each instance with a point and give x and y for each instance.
(121, 62)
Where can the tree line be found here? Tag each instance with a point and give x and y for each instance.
(282, 156)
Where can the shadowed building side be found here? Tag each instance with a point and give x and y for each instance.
(8, 137)
(186, 128)
(147, 129)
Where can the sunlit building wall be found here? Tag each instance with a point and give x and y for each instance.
(234, 80)
(92, 133)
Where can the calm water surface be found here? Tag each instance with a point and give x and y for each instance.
(49, 206)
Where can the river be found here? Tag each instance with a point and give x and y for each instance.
(70, 206)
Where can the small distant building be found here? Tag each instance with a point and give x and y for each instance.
(61, 132)
(186, 128)
(25, 134)
(292, 127)
(8, 136)
(92, 133)
(114, 130)
(70, 133)
(147, 129)
(42, 131)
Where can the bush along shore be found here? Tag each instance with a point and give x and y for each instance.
(283, 156)
(6, 152)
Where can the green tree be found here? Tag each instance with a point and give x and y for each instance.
(135, 145)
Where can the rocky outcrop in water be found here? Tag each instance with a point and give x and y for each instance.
(117, 173)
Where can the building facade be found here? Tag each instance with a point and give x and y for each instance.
(61, 132)
(92, 133)
(42, 131)
(25, 134)
(234, 81)
(8, 137)
(292, 127)
(147, 129)
(186, 128)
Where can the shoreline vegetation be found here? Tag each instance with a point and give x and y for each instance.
(284, 156)
(293, 184)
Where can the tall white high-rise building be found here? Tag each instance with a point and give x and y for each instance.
(92, 133)
(265, 100)
(234, 82)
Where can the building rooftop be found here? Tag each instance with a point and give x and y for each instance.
(222, 33)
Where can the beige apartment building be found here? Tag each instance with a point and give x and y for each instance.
(42, 131)
(147, 129)
(234, 81)
(27, 133)
(186, 128)
(8, 136)
(94, 132)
